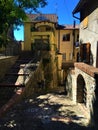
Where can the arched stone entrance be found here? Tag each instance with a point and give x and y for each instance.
(81, 90)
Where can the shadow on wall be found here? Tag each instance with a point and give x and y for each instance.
(69, 85)
(94, 113)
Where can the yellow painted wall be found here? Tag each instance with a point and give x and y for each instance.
(44, 24)
(36, 35)
(65, 46)
(27, 36)
(22, 45)
(55, 38)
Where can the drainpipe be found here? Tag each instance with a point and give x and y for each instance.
(59, 40)
(76, 17)
(74, 24)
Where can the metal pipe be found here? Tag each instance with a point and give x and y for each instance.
(76, 17)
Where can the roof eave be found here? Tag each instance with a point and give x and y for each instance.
(76, 9)
(79, 6)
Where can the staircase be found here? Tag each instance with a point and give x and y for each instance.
(16, 76)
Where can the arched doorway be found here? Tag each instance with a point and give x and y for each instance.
(81, 90)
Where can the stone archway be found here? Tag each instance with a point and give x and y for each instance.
(81, 90)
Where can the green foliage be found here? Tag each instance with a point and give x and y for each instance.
(46, 61)
(13, 12)
(47, 68)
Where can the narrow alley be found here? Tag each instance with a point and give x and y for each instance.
(48, 111)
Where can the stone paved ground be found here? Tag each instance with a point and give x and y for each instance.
(51, 111)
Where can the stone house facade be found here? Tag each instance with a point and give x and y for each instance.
(88, 29)
(84, 77)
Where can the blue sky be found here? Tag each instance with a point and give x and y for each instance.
(63, 8)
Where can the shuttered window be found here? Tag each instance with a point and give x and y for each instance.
(85, 53)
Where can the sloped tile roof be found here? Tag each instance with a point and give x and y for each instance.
(43, 17)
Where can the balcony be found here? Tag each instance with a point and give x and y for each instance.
(43, 35)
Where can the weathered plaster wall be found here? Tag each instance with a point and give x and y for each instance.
(27, 36)
(66, 47)
(90, 33)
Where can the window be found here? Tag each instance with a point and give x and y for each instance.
(66, 37)
(85, 52)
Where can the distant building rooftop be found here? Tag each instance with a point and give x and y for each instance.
(67, 27)
(43, 17)
(71, 27)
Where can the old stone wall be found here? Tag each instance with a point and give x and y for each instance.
(31, 83)
(89, 85)
(5, 64)
(81, 86)
(42, 78)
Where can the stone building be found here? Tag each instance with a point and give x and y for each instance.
(88, 30)
(82, 80)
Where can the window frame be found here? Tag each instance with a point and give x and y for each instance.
(66, 37)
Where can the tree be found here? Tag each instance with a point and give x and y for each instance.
(13, 12)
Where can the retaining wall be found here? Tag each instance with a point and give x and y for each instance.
(5, 64)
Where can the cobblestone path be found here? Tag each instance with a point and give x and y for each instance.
(51, 111)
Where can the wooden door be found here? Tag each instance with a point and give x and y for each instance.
(85, 52)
